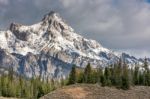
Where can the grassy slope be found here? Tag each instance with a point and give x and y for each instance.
(85, 91)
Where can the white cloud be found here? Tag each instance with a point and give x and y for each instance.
(4, 2)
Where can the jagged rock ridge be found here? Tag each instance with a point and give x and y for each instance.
(50, 47)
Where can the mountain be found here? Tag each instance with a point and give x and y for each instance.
(49, 49)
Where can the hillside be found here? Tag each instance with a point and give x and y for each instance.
(85, 91)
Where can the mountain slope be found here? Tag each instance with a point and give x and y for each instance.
(50, 47)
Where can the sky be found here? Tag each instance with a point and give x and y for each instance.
(120, 25)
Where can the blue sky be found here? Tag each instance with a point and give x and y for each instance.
(117, 24)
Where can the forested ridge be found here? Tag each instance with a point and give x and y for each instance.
(118, 75)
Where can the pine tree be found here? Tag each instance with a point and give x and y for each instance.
(148, 78)
(80, 77)
(136, 75)
(145, 64)
(99, 75)
(113, 74)
(87, 74)
(141, 78)
(146, 73)
(125, 78)
(11, 74)
(94, 77)
(107, 75)
(117, 81)
(103, 80)
(72, 76)
(40, 91)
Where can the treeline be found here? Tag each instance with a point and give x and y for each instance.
(12, 86)
(118, 75)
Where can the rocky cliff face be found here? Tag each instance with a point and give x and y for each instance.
(50, 47)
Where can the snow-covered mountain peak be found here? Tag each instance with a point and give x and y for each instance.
(55, 20)
(51, 46)
(51, 15)
(51, 33)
